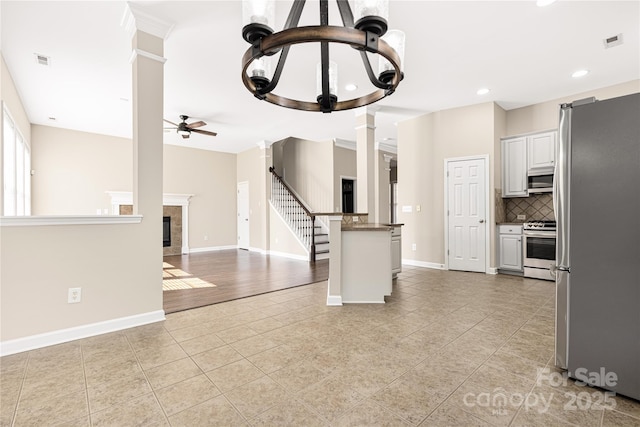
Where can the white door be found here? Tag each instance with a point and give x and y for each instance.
(243, 215)
(466, 214)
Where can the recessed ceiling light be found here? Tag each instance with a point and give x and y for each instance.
(483, 91)
(351, 87)
(543, 3)
(580, 73)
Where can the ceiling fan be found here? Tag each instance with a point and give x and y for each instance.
(185, 129)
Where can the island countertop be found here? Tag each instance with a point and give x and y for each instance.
(367, 227)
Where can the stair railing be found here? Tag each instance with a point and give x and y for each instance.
(301, 220)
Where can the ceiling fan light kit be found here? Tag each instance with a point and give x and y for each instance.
(368, 34)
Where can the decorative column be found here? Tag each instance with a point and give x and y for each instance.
(334, 288)
(147, 41)
(265, 192)
(365, 162)
(382, 182)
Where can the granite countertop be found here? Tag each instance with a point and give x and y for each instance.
(367, 227)
(510, 223)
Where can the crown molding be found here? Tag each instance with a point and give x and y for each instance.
(386, 147)
(264, 144)
(343, 143)
(135, 18)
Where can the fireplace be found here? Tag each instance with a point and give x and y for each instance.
(166, 231)
(174, 206)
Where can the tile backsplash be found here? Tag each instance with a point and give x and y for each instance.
(534, 207)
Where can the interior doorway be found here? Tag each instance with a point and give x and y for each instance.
(348, 191)
(466, 213)
(243, 215)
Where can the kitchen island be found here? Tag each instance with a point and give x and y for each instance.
(362, 261)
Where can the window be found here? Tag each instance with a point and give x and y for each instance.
(17, 170)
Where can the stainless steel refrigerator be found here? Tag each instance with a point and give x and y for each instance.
(597, 207)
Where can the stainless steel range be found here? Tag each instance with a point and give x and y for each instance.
(539, 249)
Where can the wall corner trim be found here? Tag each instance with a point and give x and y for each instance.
(84, 331)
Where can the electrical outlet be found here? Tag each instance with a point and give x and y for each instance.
(413, 247)
(206, 237)
(75, 295)
(522, 217)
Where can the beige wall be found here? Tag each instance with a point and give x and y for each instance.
(423, 145)
(308, 169)
(544, 116)
(74, 170)
(253, 167)
(40, 263)
(211, 177)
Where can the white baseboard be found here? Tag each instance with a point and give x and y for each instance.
(333, 300)
(415, 263)
(492, 270)
(259, 250)
(363, 302)
(211, 249)
(287, 255)
(64, 335)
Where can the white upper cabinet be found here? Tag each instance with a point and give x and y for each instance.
(533, 154)
(541, 152)
(514, 167)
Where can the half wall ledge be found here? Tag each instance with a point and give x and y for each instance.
(32, 221)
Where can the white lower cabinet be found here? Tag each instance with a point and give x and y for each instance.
(396, 251)
(510, 248)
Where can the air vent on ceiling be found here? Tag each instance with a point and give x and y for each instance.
(612, 41)
(43, 60)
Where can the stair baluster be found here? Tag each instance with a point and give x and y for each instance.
(301, 220)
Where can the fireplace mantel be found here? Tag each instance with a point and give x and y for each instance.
(119, 198)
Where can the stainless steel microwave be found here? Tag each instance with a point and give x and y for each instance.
(540, 183)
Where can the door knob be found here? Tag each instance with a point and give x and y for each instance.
(481, 221)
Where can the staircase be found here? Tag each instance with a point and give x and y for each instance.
(299, 218)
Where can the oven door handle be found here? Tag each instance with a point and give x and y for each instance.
(548, 235)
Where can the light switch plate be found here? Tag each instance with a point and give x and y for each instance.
(523, 217)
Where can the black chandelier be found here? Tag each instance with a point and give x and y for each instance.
(368, 34)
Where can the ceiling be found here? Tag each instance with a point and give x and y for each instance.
(523, 53)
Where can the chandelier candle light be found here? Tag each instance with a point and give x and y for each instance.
(368, 34)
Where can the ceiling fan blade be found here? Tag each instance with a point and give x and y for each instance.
(186, 136)
(196, 124)
(170, 122)
(170, 128)
(204, 132)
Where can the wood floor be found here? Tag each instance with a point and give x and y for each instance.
(227, 275)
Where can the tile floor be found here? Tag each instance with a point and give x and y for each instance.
(448, 349)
